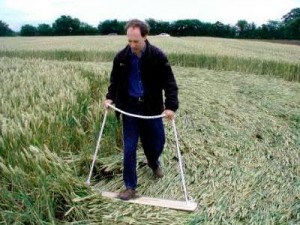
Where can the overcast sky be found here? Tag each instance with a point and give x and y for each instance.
(19, 12)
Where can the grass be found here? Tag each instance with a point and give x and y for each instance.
(287, 71)
(188, 45)
(47, 112)
(239, 136)
(243, 56)
(241, 156)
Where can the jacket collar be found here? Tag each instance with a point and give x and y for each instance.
(127, 51)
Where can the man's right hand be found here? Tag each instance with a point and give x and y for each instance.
(106, 102)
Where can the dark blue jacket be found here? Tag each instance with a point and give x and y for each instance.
(157, 76)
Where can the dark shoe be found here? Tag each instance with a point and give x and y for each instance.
(127, 194)
(158, 172)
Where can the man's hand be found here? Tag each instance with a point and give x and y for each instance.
(106, 102)
(169, 114)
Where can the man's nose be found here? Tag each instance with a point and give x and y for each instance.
(132, 45)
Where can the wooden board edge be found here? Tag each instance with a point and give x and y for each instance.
(166, 203)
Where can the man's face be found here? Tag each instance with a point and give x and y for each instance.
(135, 39)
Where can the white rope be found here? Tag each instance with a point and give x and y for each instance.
(180, 161)
(134, 115)
(88, 182)
(141, 117)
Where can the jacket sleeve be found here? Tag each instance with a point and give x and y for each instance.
(169, 85)
(113, 81)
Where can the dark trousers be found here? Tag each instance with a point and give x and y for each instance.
(152, 135)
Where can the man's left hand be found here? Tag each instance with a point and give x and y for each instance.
(169, 114)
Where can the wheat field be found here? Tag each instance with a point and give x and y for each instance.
(239, 133)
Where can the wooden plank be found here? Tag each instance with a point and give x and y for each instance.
(172, 204)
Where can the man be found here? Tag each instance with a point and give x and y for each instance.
(139, 76)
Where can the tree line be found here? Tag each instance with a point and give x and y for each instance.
(287, 28)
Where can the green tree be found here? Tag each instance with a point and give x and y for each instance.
(111, 27)
(272, 30)
(291, 22)
(208, 29)
(5, 30)
(292, 15)
(219, 29)
(188, 27)
(44, 30)
(66, 25)
(158, 27)
(293, 29)
(28, 30)
(242, 28)
(86, 29)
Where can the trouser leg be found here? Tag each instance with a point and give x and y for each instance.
(130, 140)
(153, 139)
